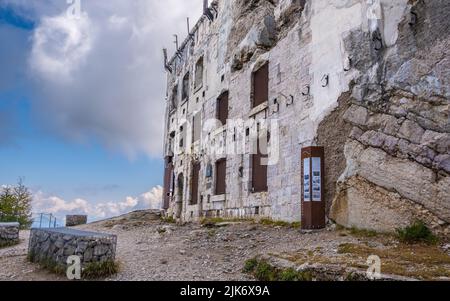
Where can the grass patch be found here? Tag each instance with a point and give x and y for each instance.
(262, 270)
(362, 232)
(169, 220)
(419, 261)
(356, 232)
(416, 233)
(274, 223)
(97, 270)
(93, 270)
(250, 265)
(293, 275)
(212, 221)
(47, 264)
(7, 244)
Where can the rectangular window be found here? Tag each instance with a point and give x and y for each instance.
(259, 168)
(261, 85)
(194, 187)
(221, 168)
(199, 73)
(185, 92)
(222, 108)
(174, 98)
(182, 137)
(197, 127)
(168, 178)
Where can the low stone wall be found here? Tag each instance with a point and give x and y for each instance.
(9, 233)
(53, 246)
(75, 220)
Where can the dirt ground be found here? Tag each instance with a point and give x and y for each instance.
(151, 249)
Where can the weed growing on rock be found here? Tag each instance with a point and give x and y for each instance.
(262, 270)
(416, 233)
(96, 270)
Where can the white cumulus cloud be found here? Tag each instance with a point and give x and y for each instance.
(44, 203)
(100, 77)
(60, 46)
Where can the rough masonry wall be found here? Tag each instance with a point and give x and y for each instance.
(9, 233)
(368, 80)
(54, 246)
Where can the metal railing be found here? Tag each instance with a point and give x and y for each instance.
(46, 220)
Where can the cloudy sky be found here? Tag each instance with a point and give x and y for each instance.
(82, 100)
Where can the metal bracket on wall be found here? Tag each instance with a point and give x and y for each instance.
(276, 106)
(290, 100)
(412, 18)
(308, 90)
(325, 80)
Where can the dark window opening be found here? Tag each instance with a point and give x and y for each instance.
(222, 108)
(185, 92)
(259, 170)
(174, 98)
(198, 82)
(261, 85)
(194, 188)
(221, 169)
(182, 134)
(168, 182)
(180, 183)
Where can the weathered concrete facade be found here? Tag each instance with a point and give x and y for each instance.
(367, 80)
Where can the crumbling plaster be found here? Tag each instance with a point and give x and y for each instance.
(305, 41)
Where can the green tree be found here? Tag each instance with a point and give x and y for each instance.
(15, 204)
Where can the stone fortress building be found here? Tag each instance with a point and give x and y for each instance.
(366, 81)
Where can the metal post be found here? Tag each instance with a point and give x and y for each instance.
(40, 221)
(50, 221)
(54, 224)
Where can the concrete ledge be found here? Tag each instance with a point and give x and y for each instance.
(54, 246)
(9, 233)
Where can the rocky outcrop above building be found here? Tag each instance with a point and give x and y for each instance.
(258, 26)
(398, 152)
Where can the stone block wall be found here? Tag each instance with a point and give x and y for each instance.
(76, 220)
(9, 233)
(54, 246)
(367, 80)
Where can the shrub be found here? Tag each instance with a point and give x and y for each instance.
(250, 265)
(265, 272)
(96, 270)
(417, 232)
(169, 220)
(293, 275)
(262, 270)
(15, 204)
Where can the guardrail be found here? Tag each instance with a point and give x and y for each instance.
(39, 220)
(46, 220)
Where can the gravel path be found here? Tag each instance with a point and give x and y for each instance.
(161, 251)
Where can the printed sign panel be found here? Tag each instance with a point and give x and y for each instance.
(306, 180)
(316, 180)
